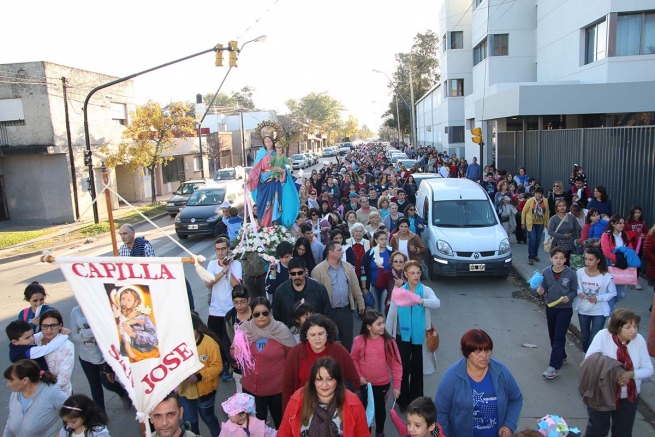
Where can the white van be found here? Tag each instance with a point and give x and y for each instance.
(463, 235)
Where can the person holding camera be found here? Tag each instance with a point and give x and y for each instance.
(227, 273)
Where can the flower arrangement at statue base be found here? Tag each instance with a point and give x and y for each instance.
(256, 244)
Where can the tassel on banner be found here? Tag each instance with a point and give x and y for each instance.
(200, 270)
(242, 353)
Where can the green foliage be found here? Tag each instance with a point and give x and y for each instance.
(150, 134)
(8, 239)
(423, 61)
(318, 110)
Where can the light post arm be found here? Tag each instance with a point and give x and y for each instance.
(87, 139)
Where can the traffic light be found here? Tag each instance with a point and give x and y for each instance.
(233, 53)
(87, 158)
(477, 135)
(219, 55)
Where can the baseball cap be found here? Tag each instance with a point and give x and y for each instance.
(353, 194)
(225, 204)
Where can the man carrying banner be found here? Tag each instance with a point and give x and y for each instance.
(166, 418)
(133, 246)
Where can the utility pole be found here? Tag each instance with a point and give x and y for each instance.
(243, 141)
(71, 155)
(412, 115)
(398, 118)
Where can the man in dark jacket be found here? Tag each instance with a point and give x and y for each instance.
(298, 287)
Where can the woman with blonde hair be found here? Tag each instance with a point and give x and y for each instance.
(383, 206)
(374, 221)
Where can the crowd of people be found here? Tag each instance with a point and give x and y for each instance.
(290, 344)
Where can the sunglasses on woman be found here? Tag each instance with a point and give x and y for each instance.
(256, 314)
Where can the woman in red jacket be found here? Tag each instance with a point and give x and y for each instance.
(324, 407)
(317, 339)
(614, 237)
(649, 254)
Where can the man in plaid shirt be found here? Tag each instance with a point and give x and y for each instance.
(133, 246)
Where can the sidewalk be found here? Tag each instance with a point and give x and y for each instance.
(62, 229)
(636, 300)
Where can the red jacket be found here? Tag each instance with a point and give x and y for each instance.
(298, 354)
(649, 254)
(354, 417)
(608, 244)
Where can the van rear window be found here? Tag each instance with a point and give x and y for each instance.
(463, 214)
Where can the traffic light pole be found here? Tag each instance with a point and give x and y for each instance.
(92, 183)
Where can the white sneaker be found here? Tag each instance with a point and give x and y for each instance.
(638, 287)
(550, 373)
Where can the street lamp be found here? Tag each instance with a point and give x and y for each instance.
(202, 167)
(409, 108)
(85, 109)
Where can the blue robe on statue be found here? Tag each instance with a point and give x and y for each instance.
(275, 199)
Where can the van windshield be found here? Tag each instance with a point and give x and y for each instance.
(206, 197)
(463, 214)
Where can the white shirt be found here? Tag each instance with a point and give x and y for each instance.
(402, 247)
(643, 367)
(221, 300)
(601, 287)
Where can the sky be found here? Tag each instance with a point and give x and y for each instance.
(311, 45)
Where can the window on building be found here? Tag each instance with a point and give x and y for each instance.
(456, 134)
(595, 42)
(500, 44)
(455, 87)
(635, 34)
(197, 163)
(456, 40)
(119, 113)
(443, 43)
(480, 52)
(477, 3)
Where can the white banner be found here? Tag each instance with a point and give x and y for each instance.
(139, 313)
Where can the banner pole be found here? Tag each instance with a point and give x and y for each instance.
(110, 213)
(52, 259)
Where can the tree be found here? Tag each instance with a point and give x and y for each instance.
(318, 109)
(292, 130)
(424, 64)
(243, 98)
(150, 134)
(222, 99)
(349, 127)
(364, 133)
(386, 133)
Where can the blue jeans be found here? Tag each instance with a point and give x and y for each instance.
(380, 294)
(589, 327)
(558, 320)
(205, 406)
(534, 240)
(621, 293)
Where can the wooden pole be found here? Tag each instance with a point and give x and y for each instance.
(110, 213)
(51, 259)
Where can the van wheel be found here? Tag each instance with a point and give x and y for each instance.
(182, 237)
(432, 272)
(173, 215)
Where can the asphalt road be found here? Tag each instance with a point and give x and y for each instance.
(497, 306)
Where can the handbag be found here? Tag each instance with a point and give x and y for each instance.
(626, 276)
(369, 300)
(548, 242)
(370, 405)
(383, 279)
(432, 339)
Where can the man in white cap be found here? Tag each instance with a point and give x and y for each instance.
(222, 227)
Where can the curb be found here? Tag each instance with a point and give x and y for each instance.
(647, 410)
(68, 245)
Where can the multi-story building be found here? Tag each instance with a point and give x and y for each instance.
(523, 65)
(43, 178)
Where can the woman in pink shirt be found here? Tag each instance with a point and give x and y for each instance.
(371, 347)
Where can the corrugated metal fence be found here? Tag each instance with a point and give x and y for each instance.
(620, 158)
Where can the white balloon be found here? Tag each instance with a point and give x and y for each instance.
(301, 172)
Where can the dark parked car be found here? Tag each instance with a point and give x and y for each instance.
(229, 174)
(203, 209)
(176, 203)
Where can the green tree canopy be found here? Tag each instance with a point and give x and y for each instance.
(149, 135)
(423, 61)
